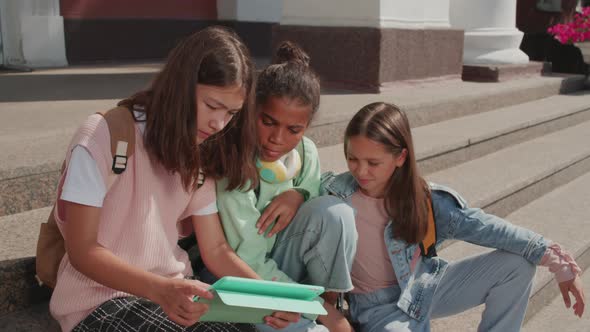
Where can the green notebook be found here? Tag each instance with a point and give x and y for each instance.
(242, 300)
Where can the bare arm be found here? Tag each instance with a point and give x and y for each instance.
(101, 265)
(334, 320)
(217, 255)
(222, 260)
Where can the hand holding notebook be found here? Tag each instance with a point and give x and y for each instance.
(242, 300)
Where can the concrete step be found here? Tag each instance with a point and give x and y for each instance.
(19, 233)
(53, 85)
(434, 101)
(33, 319)
(19, 289)
(33, 139)
(34, 135)
(555, 317)
(560, 216)
(504, 181)
(18, 241)
(82, 82)
(448, 143)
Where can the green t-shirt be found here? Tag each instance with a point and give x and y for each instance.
(240, 210)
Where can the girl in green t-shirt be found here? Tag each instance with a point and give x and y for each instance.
(275, 225)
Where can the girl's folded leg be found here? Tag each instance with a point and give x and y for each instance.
(319, 244)
(378, 312)
(501, 280)
(389, 318)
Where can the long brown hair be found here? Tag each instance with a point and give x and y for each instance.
(213, 56)
(406, 194)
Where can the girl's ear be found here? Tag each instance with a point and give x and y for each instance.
(401, 159)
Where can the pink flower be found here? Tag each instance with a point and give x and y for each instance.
(573, 32)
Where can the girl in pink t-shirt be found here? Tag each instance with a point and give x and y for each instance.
(123, 269)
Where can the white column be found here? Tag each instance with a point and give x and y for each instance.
(436, 14)
(11, 33)
(491, 36)
(348, 13)
(250, 10)
(32, 33)
(402, 14)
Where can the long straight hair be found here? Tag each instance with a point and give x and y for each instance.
(406, 193)
(213, 56)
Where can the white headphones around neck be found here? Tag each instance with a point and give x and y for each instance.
(281, 170)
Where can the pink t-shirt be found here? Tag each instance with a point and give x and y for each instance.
(138, 223)
(371, 269)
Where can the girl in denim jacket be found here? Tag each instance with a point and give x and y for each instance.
(397, 288)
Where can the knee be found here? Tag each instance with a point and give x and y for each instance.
(329, 208)
(334, 215)
(527, 269)
(520, 266)
(337, 215)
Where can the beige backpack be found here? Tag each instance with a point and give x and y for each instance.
(50, 245)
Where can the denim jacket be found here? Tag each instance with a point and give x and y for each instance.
(454, 220)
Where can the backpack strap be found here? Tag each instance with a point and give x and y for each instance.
(50, 244)
(121, 125)
(427, 246)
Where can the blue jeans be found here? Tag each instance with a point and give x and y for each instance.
(501, 280)
(317, 248)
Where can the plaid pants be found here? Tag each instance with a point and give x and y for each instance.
(134, 314)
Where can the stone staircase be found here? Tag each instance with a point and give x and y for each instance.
(519, 149)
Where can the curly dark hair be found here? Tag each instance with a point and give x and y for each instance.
(289, 76)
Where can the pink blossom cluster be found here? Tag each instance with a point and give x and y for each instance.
(575, 31)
